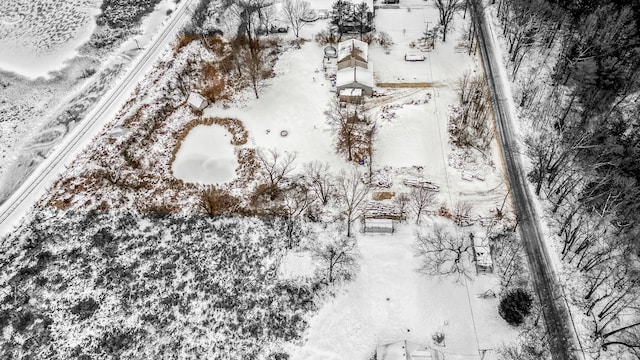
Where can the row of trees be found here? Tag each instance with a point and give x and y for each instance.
(351, 17)
(584, 149)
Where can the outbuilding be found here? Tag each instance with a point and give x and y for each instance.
(381, 226)
(482, 256)
(355, 78)
(352, 96)
(197, 101)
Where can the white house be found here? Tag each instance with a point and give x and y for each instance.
(407, 350)
(356, 78)
(353, 96)
(197, 101)
(352, 53)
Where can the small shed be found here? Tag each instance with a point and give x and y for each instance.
(197, 101)
(407, 350)
(353, 52)
(380, 226)
(482, 257)
(355, 78)
(352, 96)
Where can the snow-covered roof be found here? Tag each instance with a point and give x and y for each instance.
(351, 92)
(483, 256)
(197, 101)
(357, 74)
(406, 350)
(345, 49)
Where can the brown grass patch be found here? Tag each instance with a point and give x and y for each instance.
(247, 165)
(383, 195)
(184, 40)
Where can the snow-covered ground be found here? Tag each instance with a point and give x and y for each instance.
(204, 158)
(389, 300)
(37, 114)
(42, 35)
(137, 70)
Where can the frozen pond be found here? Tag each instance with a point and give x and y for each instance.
(206, 156)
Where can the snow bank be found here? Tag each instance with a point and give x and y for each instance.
(295, 265)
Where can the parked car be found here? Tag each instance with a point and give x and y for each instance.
(310, 16)
(279, 29)
(413, 55)
(323, 14)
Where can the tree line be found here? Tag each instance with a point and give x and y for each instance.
(581, 100)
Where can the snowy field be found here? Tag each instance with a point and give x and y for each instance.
(43, 34)
(389, 300)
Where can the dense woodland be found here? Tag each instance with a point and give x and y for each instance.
(576, 66)
(98, 285)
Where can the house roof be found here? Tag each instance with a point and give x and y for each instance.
(350, 92)
(406, 350)
(346, 49)
(356, 74)
(196, 100)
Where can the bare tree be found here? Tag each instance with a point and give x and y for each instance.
(339, 117)
(319, 179)
(370, 137)
(419, 199)
(352, 191)
(251, 14)
(275, 166)
(470, 123)
(461, 212)
(446, 10)
(251, 57)
(355, 131)
(336, 253)
(294, 11)
(296, 201)
(445, 254)
(402, 201)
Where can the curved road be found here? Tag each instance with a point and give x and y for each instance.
(21, 201)
(561, 337)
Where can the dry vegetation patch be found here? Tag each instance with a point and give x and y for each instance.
(383, 195)
(129, 166)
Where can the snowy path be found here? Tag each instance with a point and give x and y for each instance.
(13, 210)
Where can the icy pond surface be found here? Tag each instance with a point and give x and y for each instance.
(206, 156)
